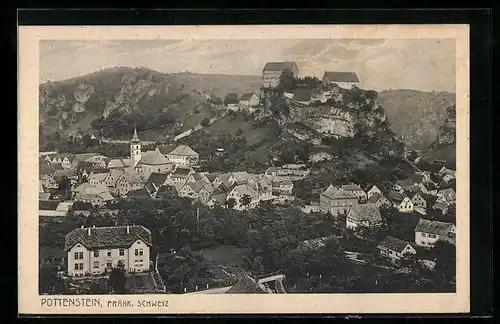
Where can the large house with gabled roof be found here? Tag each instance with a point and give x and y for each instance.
(97, 250)
(342, 79)
(337, 200)
(272, 72)
(183, 155)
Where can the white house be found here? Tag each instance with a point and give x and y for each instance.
(272, 72)
(428, 232)
(249, 100)
(394, 249)
(373, 189)
(183, 155)
(400, 201)
(365, 215)
(342, 79)
(241, 190)
(97, 250)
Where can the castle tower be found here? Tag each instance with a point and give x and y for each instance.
(135, 149)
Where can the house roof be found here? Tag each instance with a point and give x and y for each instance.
(99, 170)
(246, 285)
(351, 187)
(440, 205)
(87, 188)
(336, 76)
(64, 173)
(44, 195)
(84, 165)
(180, 171)
(48, 204)
(82, 157)
(395, 197)
(107, 237)
(338, 193)
(211, 177)
(183, 150)
(375, 198)
(433, 227)
(119, 163)
(165, 149)
(47, 169)
(241, 176)
(246, 96)
(365, 212)
(154, 158)
(158, 179)
(244, 189)
(393, 243)
(417, 178)
(197, 185)
(139, 193)
(278, 66)
(447, 194)
(220, 198)
(133, 177)
(98, 177)
(405, 182)
(302, 94)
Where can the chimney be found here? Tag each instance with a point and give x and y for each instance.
(128, 229)
(89, 231)
(82, 226)
(93, 226)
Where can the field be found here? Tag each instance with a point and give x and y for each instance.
(227, 255)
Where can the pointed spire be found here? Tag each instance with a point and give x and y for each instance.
(135, 138)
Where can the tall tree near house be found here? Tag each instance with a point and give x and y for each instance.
(245, 200)
(64, 186)
(287, 80)
(231, 98)
(230, 203)
(117, 279)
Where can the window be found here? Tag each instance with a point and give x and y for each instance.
(96, 254)
(76, 255)
(141, 252)
(96, 264)
(109, 265)
(81, 266)
(136, 252)
(122, 252)
(109, 253)
(80, 255)
(76, 266)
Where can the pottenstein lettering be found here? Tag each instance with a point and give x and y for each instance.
(71, 302)
(152, 303)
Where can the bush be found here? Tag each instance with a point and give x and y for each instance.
(205, 122)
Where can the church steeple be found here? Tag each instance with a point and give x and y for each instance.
(135, 139)
(135, 149)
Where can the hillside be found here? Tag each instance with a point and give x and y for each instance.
(70, 106)
(416, 116)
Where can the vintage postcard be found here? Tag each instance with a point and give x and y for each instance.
(243, 169)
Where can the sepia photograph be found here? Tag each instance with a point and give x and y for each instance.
(190, 166)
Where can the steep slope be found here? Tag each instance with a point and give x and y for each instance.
(71, 105)
(416, 116)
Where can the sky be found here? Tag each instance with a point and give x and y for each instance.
(380, 64)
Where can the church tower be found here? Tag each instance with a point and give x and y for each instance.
(135, 149)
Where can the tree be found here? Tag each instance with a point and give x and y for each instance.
(287, 80)
(205, 122)
(231, 98)
(245, 200)
(445, 254)
(230, 203)
(64, 186)
(117, 278)
(215, 100)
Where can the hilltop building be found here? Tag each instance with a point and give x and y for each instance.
(342, 79)
(272, 72)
